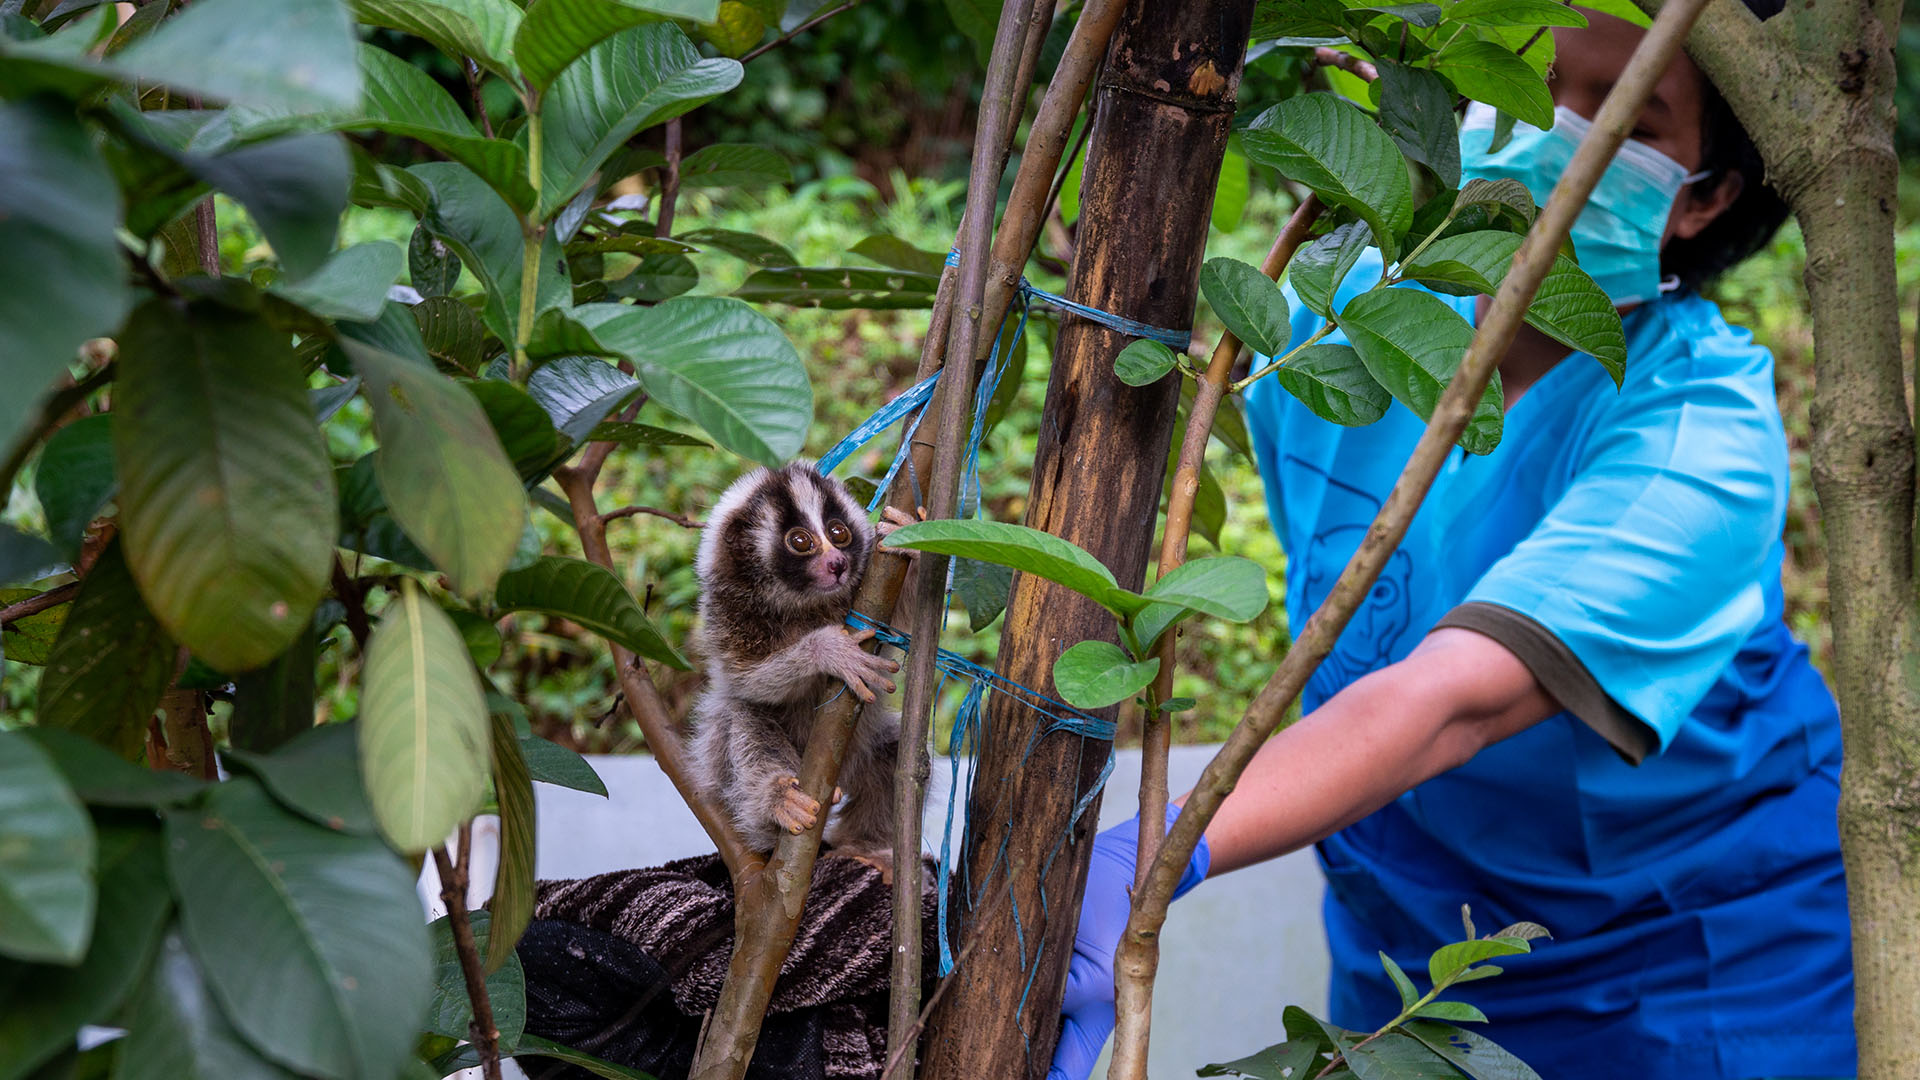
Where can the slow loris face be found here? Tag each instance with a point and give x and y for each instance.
(799, 535)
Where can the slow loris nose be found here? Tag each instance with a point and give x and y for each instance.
(837, 563)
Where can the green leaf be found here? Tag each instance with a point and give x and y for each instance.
(591, 596)
(481, 228)
(633, 436)
(550, 763)
(982, 588)
(30, 640)
(75, 479)
(1248, 302)
(1303, 1026)
(66, 281)
(659, 276)
(525, 432)
(452, 1011)
(1491, 73)
(1505, 194)
(110, 663)
(24, 557)
(1096, 674)
(1411, 343)
(1569, 307)
(481, 29)
(317, 776)
(1416, 109)
(753, 248)
(735, 28)
(1408, 995)
(403, 100)
(1226, 587)
(633, 80)
(101, 778)
(272, 704)
(451, 332)
(46, 858)
(535, 1046)
(512, 903)
(432, 266)
(1395, 1056)
(351, 284)
(295, 187)
(1291, 1060)
(1334, 148)
(555, 33)
(1621, 9)
(889, 250)
(175, 1028)
(1448, 961)
(49, 1004)
(1144, 362)
(720, 364)
(311, 939)
(1231, 190)
(839, 288)
(1529, 13)
(1456, 1011)
(978, 20)
(1473, 1053)
(291, 54)
(445, 478)
(226, 496)
(734, 165)
(1030, 550)
(1525, 931)
(1334, 382)
(580, 391)
(423, 725)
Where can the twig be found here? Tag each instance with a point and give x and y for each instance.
(453, 893)
(1353, 65)
(681, 520)
(1522, 50)
(352, 596)
(56, 406)
(1133, 959)
(762, 50)
(34, 605)
(670, 187)
(472, 72)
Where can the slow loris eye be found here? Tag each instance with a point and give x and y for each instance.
(800, 542)
(838, 532)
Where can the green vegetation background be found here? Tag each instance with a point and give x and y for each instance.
(873, 110)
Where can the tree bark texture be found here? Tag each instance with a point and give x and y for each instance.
(1814, 87)
(1164, 106)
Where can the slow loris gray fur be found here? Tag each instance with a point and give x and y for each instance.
(781, 556)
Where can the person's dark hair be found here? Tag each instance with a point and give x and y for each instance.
(1747, 225)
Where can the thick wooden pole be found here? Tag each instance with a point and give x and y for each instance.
(1164, 107)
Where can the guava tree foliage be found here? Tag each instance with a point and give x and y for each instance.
(247, 908)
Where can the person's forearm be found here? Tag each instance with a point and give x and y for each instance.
(1376, 739)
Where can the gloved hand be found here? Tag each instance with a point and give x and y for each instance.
(1088, 1007)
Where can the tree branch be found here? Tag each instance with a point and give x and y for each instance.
(1133, 961)
(670, 184)
(681, 520)
(453, 893)
(1347, 62)
(762, 50)
(34, 605)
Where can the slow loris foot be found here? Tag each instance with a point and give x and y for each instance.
(879, 860)
(796, 811)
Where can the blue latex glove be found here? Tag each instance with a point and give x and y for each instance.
(1088, 1007)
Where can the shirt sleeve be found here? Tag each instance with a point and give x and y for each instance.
(1647, 568)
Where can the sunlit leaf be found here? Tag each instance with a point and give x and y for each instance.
(1416, 109)
(1248, 302)
(591, 596)
(75, 479)
(480, 29)
(1333, 382)
(1021, 548)
(1143, 362)
(1334, 148)
(1492, 73)
(1096, 674)
(1411, 343)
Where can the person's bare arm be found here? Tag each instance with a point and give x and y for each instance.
(1459, 691)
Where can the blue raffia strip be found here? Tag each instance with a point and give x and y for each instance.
(1173, 339)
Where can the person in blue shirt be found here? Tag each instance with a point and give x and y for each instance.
(1571, 697)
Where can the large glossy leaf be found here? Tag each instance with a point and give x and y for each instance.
(1395, 1056)
(29, 640)
(176, 1031)
(512, 903)
(226, 495)
(46, 858)
(24, 557)
(1029, 550)
(579, 391)
(633, 80)
(1472, 1053)
(1144, 362)
(1329, 145)
(1416, 109)
(110, 663)
(1448, 961)
(1570, 307)
(1096, 674)
(1492, 73)
(555, 33)
(478, 225)
(526, 433)
(589, 595)
(403, 100)
(1529, 13)
(750, 247)
(1226, 587)
(734, 165)
(442, 471)
(1248, 302)
(432, 267)
(423, 725)
(317, 776)
(1291, 1060)
(75, 478)
(1333, 382)
(1318, 268)
(295, 187)
(1402, 984)
(839, 288)
(66, 281)
(719, 363)
(452, 1011)
(452, 333)
(290, 54)
(480, 29)
(550, 763)
(351, 284)
(275, 703)
(45, 1005)
(311, 939)
(889, 250)
(101, 778)
(1411, 343)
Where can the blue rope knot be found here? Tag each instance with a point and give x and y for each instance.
(1173, 339)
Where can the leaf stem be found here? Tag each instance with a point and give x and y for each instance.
(762, 50)
(533, 231)
(453, 893)
(1241, 386)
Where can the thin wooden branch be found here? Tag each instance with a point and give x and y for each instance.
(56, 407)
(1133, 959)
(901, 1050)
(34, 605)
(484, 1035)
(681, 520)
(472, 72)
(1347, 62)
(761, 50)
(670, 186)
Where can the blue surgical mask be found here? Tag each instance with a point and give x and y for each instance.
(1617, 236)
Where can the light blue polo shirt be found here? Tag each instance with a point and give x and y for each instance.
(1696, 899)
